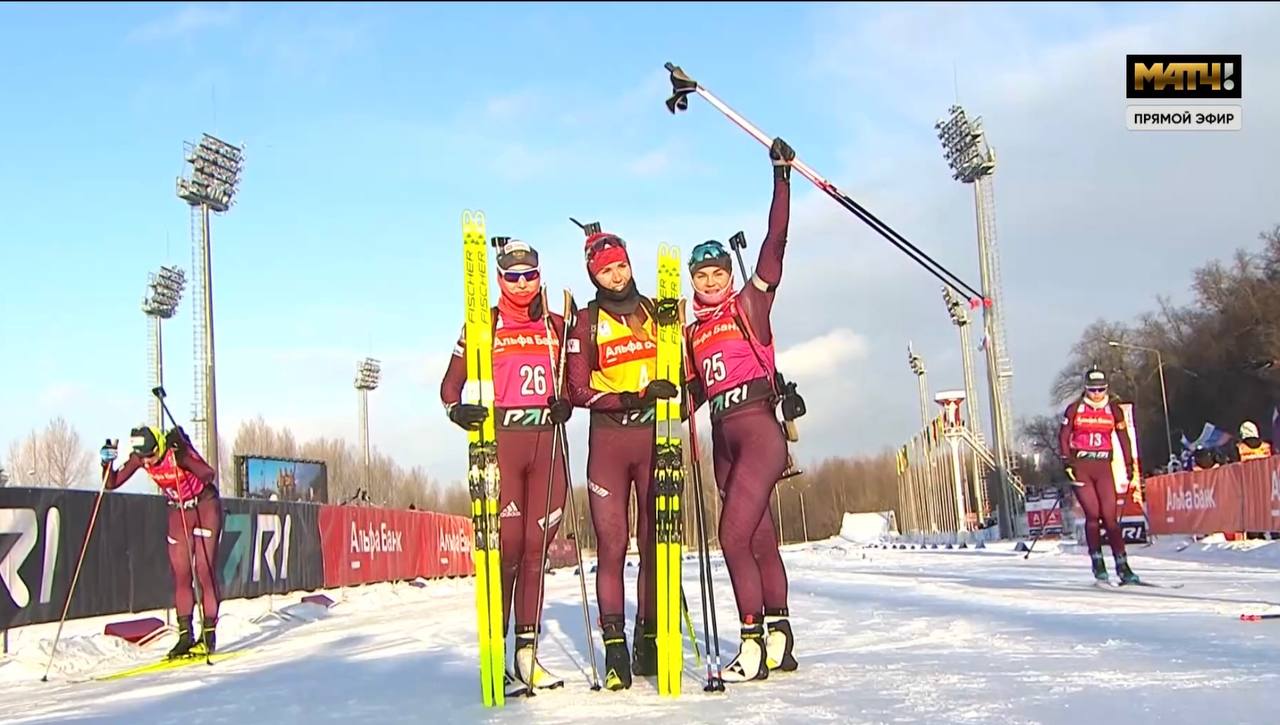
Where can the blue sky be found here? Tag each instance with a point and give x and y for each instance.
(369, 128)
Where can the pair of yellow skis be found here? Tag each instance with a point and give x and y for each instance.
(482, 469)
(669, 472)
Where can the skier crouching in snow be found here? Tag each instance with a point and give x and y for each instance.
(731, 346)
(1084, 442)
(613, 358)
(525, 416)
(195, 523)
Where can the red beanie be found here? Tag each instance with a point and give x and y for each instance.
(603, 249)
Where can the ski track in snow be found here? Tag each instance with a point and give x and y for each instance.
(883, 636)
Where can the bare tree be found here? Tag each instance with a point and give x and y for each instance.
(53, 457)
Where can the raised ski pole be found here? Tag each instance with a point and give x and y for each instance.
(186, 532)
(75, 578)
(682, 86)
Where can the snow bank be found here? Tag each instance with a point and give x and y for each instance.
(868, 528)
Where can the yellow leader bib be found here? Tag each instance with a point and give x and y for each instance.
(625, 363)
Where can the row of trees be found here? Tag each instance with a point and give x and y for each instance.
(53, 456)
(811, 503)
(387, 484)
(1219, 351)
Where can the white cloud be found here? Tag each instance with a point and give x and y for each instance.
(652, 163)
(59, 395)
(187, 20)
(822, 357)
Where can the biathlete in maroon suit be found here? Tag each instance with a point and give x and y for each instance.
(526, 414)
(1084, 442)
(195, 523)
(732, 353)
(613, 358)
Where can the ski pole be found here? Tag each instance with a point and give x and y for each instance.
(570, 312)
(75, 578)
(682, 86)
(186, 532)
(1044, 524)
(715, 678)
(738, 242)
(582, 573)
(559, 445)
(693, 635)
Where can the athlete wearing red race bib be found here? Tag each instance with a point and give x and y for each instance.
(731, 349)
(526, 414)
(1085, 445)
(195, 522)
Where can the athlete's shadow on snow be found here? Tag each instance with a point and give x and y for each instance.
(974, 579)
(907, 604)
(358, 678)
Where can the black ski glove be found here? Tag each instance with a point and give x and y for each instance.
(467, 416)
(561, 409)
(177, 439)
(659, 389)
(653, 392)
(782, 155)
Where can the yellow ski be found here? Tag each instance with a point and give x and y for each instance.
(482, 469)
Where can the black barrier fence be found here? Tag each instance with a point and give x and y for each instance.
(266, 547)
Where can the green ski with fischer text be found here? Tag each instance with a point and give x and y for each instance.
(669, 473)
(482, 455)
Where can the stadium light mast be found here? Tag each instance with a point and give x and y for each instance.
(960, 318)
(973, 161)
(164, 291)
(368, 375)
(210, 187)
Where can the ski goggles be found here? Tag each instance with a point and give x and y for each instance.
(708, 253)
(530, 274)
(607, 241)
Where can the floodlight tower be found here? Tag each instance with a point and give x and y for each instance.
(960, 318)
(164, 290)
(973, 161)
(368, 375)
(210, 187)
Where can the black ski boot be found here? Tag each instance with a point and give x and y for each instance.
(779, 641)
(185, 640)
(1124, 572)
(750, 662)
(1099, 567)
(617, 662)
(644, 655)
(208, 639)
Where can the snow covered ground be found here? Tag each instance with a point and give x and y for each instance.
(882, 636)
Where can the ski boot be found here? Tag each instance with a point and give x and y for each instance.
(513, 686)
(617, 662)
(644, 655)
(750, 662)
(1124, 572)
(1099, 567)
(528, 669)
(779, 641)
(185, 640)
(208, 642)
